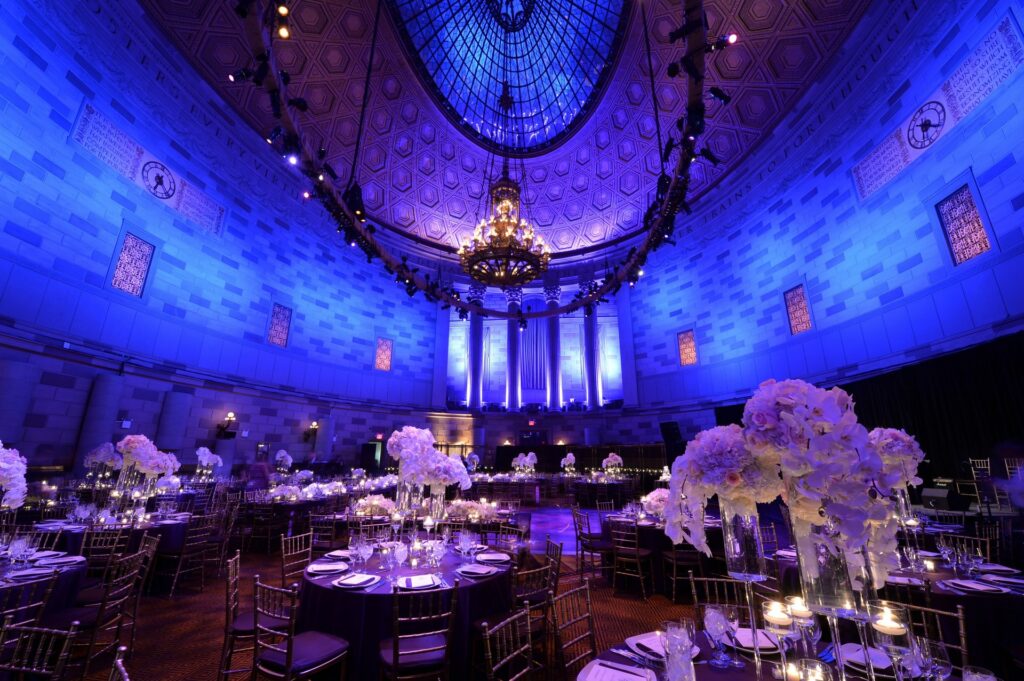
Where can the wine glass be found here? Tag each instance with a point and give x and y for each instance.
(934, 659)
(891, 631)
(945, 550)
(812, 670)
(437, 551)
(401, 550)
(365, 551)
(718, 629)
(465, 543)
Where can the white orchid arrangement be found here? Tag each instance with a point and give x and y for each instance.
(524, 463)
(375, 504)
(283, 461)
(655, 502)
(12, 477)
(901, 455)
(465, 508)
(568, 462)
(285, 492)
(833, 474)
(104, 455)
(419, 463)
(612, 461)
(140, 452)
(208, 459)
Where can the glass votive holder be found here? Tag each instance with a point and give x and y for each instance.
(813, 670)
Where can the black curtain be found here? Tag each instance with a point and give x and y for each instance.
(967, 404)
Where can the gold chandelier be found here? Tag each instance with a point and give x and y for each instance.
(505, 250)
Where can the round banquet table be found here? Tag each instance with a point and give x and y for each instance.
(171, 533)
(65, 591)
(993, 619)
(651, 535)
(589, 492)
(363, 617)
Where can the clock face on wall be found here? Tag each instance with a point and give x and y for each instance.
(158, 180)
(926, 125)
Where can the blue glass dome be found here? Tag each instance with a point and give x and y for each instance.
(555, 54)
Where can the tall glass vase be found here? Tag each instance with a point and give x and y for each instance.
(435, 503)
(744, 551)
(408, 497)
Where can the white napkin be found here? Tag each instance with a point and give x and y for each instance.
(996, 567)
(652, 641)
(327, 568)
(786, 553)
(340, 553)
(1002, 579)
(354, 579)
(745, 639)
(493, 557)
(854, 652)
(477, 569)
(905, 581)
(616, 672)
(418, 581)
(973, 585)
(60, 561)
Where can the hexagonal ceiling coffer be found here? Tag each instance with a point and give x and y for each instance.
(793, 57)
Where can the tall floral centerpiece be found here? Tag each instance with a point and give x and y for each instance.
(612, 464)
(441, 472)
(569, 463)
(524, 464)
(901, 455)
(143, 460)
(12, 478)
(412, 448)
(206, 461)
(282, 462)
(837, 495)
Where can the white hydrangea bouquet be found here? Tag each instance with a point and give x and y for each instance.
(140, 453)
(12, 477)
(104, 455)
(375, 505)
(655, 502)
(612, 463)
(568, 463)
(472, 510)
(282, 461)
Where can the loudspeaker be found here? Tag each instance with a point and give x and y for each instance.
(673, 439)
(943, 499)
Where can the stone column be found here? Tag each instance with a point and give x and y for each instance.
(170, 430)
(627, 356)
(99, 416)
(442, 329)
(554, 382)
(324, 445)
(514, 296)
(591, 355)
(17, 381)
(476, 349)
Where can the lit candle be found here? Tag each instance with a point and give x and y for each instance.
(428, 523)
(929, 565)
(413, 562)
(777, 615)
(792, 673)
(799, 609)
(483, 500)
(889, 625)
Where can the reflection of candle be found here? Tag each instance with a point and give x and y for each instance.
(929, 565)
(799, 609)
(792, 673)
(413, 562)
(777, 615)
(889, 625)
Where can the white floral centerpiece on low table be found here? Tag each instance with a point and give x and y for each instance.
(612, 465)
(285, 492)
(473, 511)
(375, 505)
(568, 463)
(303, 477)
(12, 478)
(655, 502)
(358, 473)
(282, 461)
(206, 461)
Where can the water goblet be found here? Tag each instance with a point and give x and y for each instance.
(891, 632)
(718, 629)
(973, 673)
(365, 551)
(401, 550)
(935, 659)
(437, 551)
(812, 670)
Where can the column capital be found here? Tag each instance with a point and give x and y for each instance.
(514, 295)
(476, 293)
(552, 293)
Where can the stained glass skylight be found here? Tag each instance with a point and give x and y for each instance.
(560, 52)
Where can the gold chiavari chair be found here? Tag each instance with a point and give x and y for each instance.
(422, 626)
(573, 625)
(375, 531)
(769, 538)
(280, 653)
(453, 527)
(981, 468)
(678, 562)
(296, 555)
(1014, 466)
(949, 627)
(190, 558)
(950, 517)
(326, 534)
(719, 591)
(591, 547)
(508, 650)
(553, 559)
(605, 507)
(972, 545)
(511, 537)
(101, 547)
(629, 558)
(35, 652)
(23, 604)
(510, 506)
(117, 671)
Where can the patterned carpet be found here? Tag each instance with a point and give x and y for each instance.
(180, 639)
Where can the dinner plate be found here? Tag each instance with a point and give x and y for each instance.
(903, 580)
(417, 582)
(475, 548)
(327, 568)
(340, 554)
(476, 570)
(61, 561)
(998, 569)
(493, 557)
(853, 656)
(1003, 580)
(974, 586)
(43, 555)
(356, 580)
(603, 670)
(652, 642)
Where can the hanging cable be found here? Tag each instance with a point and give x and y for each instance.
(650, 73)
(366, 93)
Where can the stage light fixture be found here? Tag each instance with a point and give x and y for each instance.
(299, 103)
(274, 134)
(719, 94)
(706, 153)
(275, 103)
(282, 9)
(240, 75)
(286, 78)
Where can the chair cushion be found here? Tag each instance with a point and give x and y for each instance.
(91, 595)
(597, 545)
(244, 624)
(406, 660)
(682, 556)
(634, 553)
(62, 619)
(310, 649)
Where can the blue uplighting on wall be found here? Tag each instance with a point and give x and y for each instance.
(561, 51)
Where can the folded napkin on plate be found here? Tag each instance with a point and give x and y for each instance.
(996, 567)
(603, 670)
(786, 553)
(475, 569)
(854, 653)
(326, 568)
(902, 580)
(972, 585)
(417, 581)
(493, 557)
(340, 553)
(652, 641)
(1004, 580)
(355, 579)
(60, 561)
(745, 639)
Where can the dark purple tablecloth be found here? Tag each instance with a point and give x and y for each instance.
(364, 618)
(69, 580)
(172, 537)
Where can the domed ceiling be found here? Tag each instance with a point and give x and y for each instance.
(422, 174)
(555, 55)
